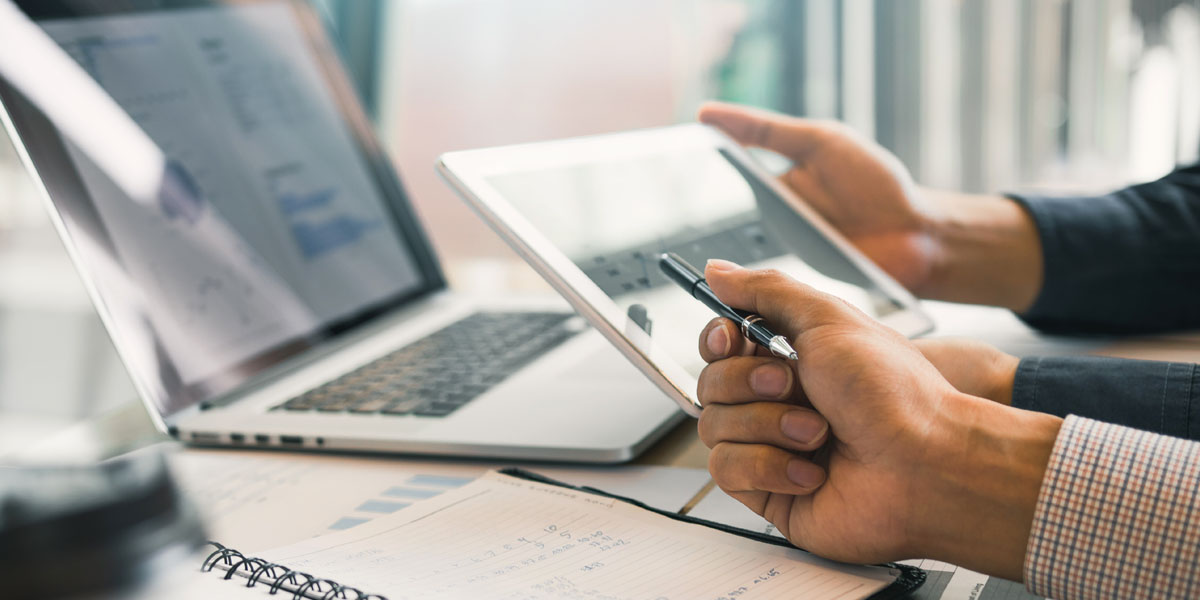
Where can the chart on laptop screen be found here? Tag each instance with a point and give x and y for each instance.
(268, 224)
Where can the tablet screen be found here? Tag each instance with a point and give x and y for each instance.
(614, 218)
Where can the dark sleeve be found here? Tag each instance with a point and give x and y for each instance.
(1126, 262)
(1147, 395)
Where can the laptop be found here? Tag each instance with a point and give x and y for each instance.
(254, 258)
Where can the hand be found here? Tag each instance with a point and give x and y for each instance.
(860, 188)
(941, 245)
(973, 367)
(912, 466)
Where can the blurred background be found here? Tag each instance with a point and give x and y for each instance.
(979, 95)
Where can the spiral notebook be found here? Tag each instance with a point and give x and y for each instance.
(514, 534)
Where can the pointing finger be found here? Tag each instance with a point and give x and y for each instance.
(791, 136)
(721, 338)
(791, 305)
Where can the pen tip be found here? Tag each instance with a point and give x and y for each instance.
(780, 347)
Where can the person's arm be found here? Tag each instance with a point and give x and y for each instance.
(1160, 397)
(915, 468)
(987, 251)
(1124, 262)
(1118, 516)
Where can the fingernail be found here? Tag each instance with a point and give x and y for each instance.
(718, 264)
(804, 426)
(770, 380)
(804, 473)
(718, 341)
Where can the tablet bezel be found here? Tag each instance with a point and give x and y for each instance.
(468, 172)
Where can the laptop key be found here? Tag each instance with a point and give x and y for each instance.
(402, 407)
(338, 405)
(435, 375)
(456, 398)
(436, 409)
(297, 404)
(372, 405)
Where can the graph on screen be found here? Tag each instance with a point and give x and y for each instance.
(319, 223)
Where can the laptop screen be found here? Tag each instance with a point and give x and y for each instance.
(267, 227)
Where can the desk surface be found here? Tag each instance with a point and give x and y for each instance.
(128, 427)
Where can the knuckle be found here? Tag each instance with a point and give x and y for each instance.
(828, 308)
(831, 128)
(718, 462)
(762, 465)
(704, 383)
(751, 420)
(705, 427)
(717, 383)
(769, 276)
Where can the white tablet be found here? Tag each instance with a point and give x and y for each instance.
(593, 214)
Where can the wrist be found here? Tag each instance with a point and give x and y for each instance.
(986, 250)
(1003, 367)
(978, 485)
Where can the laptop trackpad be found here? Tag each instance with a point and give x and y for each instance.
(586, 393)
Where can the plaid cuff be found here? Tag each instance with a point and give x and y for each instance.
(1118, 516)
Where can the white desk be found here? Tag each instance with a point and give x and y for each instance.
(128, 427)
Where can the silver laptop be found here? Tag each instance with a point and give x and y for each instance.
(256, 262)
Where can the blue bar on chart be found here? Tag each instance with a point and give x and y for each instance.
(440, 480)
(381, 506)
(403, 492)
(347, 523)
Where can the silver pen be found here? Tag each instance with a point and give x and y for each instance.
(692, 280)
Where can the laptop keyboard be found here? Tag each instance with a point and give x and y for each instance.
(440, 373)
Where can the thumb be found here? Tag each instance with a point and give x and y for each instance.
(776, 296)
(791, 136)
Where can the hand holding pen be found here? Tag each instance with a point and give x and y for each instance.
(692, 280)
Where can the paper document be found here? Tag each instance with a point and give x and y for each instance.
(945, 581)
(503, 537)
(254, 499)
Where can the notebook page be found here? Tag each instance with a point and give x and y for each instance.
(503, 537)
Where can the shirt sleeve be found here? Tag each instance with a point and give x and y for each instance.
(1118, 516)
(1153, 396)
(1125, 262)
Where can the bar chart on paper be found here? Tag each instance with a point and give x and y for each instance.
(250, 498)
(394, 498)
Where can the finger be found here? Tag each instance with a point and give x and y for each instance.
(756, 501)
(762, 468)
(721, 338)
(778, 509)
(782, 510)
(790, 136)
(775, 423)
(745, 379)
(781, 299)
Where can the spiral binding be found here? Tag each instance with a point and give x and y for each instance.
(276, 576)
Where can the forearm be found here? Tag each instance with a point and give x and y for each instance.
(986, 251)
(979, 487)
(1124, 262)
(1075, 508)
(1161, 397)
(1117, 517)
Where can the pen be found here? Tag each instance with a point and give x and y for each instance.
(692, 280)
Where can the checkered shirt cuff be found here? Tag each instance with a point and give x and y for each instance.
(1118, 516)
